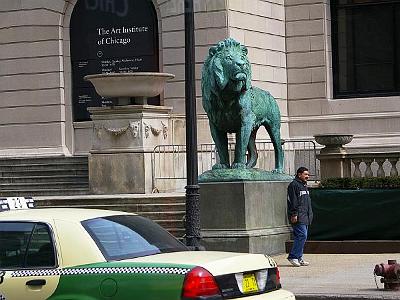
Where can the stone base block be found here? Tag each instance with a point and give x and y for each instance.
(119, 173)
(244, 216)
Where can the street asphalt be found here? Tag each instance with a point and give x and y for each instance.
(336, 276)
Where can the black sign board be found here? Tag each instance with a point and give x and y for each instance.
(110, 36)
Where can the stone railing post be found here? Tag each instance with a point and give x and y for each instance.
(333, 157)
(393, 170)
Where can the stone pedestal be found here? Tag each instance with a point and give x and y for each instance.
(123, 140)
(245, 216)
(333, 157)
(334, 165)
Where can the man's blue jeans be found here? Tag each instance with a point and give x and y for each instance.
(299, 239)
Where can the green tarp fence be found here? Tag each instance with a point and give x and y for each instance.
(366, 214)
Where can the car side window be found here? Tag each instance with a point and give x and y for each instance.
(25, 245)
(40, 249)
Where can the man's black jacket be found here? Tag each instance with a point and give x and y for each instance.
(299, 202)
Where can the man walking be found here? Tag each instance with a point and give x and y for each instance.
(300, 215)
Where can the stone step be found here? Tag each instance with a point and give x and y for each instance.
(160, 207)
(42, 167)
(93, 201)
(44, 172)
(61, 185)
(43, 160)
(146, 210)
(177, 224)
(44, 179)
(163, 215)
(179, 233)
(42, 192)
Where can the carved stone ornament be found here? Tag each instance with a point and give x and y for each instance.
(164, 130)
(117, 131)
(134, 127)
(146, 130)
(155, 131)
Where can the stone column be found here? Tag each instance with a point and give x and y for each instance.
(123, 140)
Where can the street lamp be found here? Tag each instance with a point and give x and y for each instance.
(192, 189)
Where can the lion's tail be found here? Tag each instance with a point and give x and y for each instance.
(252, 150)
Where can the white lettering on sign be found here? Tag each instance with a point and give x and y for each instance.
(117, 7)
(107, 37)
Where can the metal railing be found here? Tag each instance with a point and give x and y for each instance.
(169, 161)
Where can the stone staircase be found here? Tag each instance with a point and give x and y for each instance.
(63, 182)
(166, 209)
(44, 176)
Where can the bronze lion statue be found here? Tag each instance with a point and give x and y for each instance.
(233, 105)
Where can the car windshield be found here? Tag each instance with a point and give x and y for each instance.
(130, 236)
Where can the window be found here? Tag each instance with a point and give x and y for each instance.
(366, 47)
(25, 245)
(122, 237)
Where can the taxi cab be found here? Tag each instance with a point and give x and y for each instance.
(88, 254)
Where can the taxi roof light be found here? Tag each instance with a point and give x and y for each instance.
(14, 203)
(200, 284)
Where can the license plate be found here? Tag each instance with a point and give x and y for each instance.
(249, 283)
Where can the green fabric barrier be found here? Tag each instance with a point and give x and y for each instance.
(367, 214)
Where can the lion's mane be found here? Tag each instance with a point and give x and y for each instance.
(215, 77)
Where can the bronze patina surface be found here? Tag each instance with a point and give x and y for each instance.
(233, 105)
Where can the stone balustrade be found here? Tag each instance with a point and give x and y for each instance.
(337, 161)
(374, 164)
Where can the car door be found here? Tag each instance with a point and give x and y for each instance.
(28, 261)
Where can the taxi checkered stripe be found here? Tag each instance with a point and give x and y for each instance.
(110, 270)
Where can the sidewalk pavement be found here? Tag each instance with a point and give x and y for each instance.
(336, 276)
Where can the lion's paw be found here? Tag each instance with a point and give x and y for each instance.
(220, 166)
(239, 166)
(278, 171)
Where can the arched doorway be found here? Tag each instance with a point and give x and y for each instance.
(110, 36)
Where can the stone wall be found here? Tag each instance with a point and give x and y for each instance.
(374, 121)
(210, 27)
(260, 25)
(289, 47)
(32, 108)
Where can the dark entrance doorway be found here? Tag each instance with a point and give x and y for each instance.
(110, 36)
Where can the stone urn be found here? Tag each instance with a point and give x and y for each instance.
(333, 142)
(123, 86)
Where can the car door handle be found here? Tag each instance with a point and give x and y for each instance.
(36, 282)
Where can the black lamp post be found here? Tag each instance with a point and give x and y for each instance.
(192, 188)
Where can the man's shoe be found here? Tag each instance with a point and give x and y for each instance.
(303, 262)
(294, 261)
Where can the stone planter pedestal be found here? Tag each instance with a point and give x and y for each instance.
(333, 157)
(123, 140)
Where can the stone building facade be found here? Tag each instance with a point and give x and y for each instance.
(290, 47)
